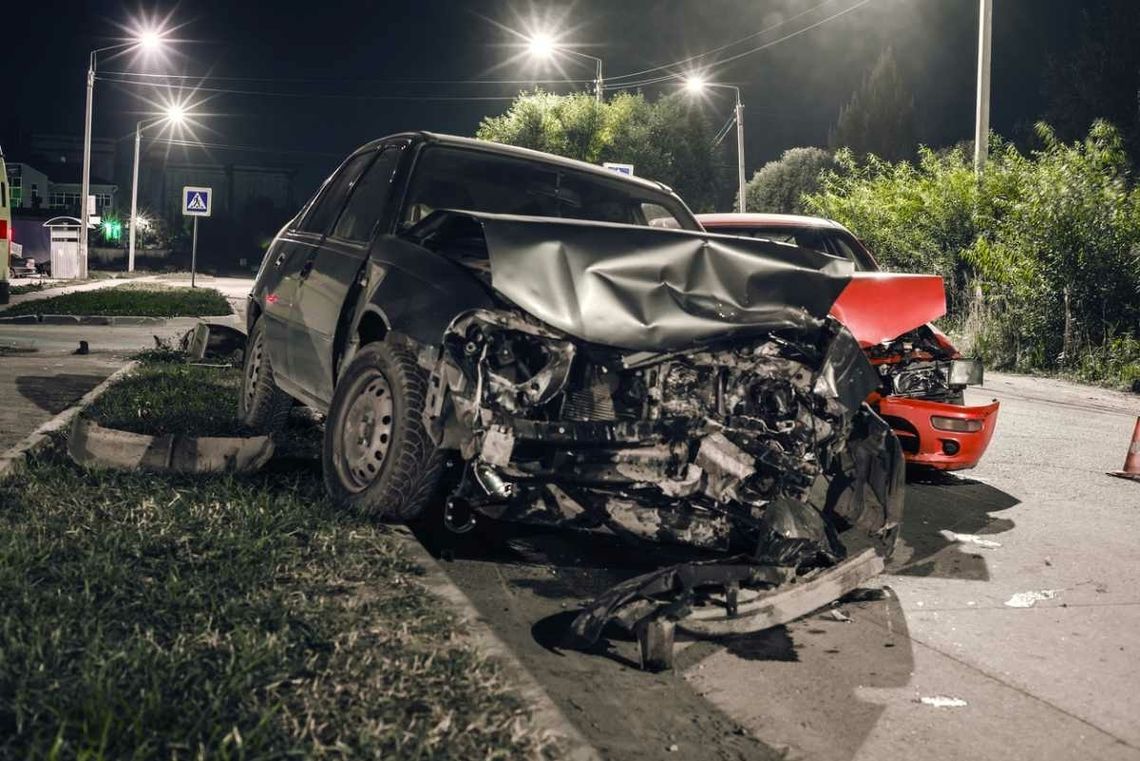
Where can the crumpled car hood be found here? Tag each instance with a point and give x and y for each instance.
(881, 306)
(652, 289)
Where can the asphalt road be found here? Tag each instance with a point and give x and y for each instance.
(40, 375)
(1058, 679)
(1037, 523)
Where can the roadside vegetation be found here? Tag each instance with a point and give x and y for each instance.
(131, 300)
(18, 290)
(172, 397)
(669, 139)
(161, 616)
(1041, 257)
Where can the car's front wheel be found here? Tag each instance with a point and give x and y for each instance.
(262, 406)
(377, 457)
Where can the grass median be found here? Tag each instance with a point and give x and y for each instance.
(171, 616)
(132, 300)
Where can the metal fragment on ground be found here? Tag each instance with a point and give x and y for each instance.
(988, 544)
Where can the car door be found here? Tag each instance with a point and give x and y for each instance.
(297, 258)
(334, 266)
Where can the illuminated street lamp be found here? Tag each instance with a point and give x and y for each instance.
(544, 47)
(695, 84)
(149, 40)
(175, 116)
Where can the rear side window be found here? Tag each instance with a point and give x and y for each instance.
(804, 237)
(369, 196)
(327, 207)
(3, 194)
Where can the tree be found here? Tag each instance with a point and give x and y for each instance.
(668, 140)
(779, 186)
(879, 118)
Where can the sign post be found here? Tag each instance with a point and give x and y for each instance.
(196, 202)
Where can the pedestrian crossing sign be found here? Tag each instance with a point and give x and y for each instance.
(196, 201)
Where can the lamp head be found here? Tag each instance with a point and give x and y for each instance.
(541, 45)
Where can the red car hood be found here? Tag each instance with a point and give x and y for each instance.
(881, 306)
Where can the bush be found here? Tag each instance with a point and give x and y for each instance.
(779, 186)
(1041, 256)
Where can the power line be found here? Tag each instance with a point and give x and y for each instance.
(304, 80)
(734, 43)
(341, 96)
(673, 76)
(787, 37)
(242, 148)
(612, 83)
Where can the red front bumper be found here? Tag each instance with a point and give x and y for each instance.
(924, 444)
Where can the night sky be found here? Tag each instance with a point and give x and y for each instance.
(347, 72)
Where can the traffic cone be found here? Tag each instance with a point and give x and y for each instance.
(1132, 459)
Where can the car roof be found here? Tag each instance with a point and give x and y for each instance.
(765, 220)
(523, 153)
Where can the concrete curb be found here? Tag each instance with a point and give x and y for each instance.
(96, 319)
(545, 714)
(12, 459)
(92, 445)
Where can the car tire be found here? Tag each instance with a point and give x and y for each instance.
(262, 407)
(377, 457)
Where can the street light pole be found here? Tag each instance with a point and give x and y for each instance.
(134, 201)
(598, 82)
(147, 39)
(85, 184)
(545, 46)
(175, 114)
(982, 125)
(696, 84)
(742, 182)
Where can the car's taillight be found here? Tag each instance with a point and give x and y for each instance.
(3, 229)
(955, 424)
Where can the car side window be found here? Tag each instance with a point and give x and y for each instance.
(327, 207)
(369, 196)
(845, 249)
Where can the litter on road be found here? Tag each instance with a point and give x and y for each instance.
(988, 544)
(942, 701)
(1029, 599)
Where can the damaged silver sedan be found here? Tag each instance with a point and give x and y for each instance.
(516, 312)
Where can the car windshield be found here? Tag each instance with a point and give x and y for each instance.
(473, 180)
(828, 240)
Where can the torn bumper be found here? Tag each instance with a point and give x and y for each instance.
(940, 435)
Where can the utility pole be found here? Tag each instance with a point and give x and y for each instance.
(134, 200)
(982, 125)
(742, 182)
(598, 83)
(86, 181)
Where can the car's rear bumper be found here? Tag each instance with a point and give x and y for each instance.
(923, 444)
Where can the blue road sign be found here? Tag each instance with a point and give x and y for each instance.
(196, 201)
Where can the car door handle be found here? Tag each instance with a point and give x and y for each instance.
(306, 269)
(280, 259)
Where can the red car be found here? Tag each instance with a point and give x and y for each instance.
(923, 375)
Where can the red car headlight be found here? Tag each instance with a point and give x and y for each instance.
(955, 424)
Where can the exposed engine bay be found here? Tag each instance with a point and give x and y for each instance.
(760, 450)
(923, 365)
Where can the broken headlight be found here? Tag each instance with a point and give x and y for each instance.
(965, 372)
(513, 363)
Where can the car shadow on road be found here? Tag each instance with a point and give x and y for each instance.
(948, 526)
(55, 393)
